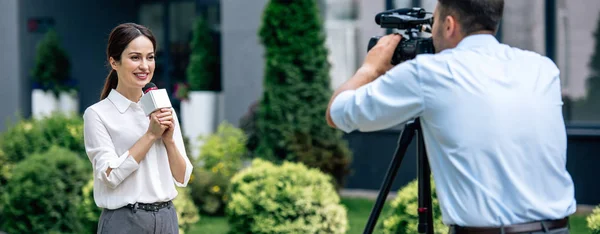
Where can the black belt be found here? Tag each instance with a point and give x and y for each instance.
(149, 206)
(516, 228)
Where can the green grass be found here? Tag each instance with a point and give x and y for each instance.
(358, 214)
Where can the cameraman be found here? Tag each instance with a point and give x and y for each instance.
(491, 118)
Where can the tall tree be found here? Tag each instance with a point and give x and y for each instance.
(290, 122)
(203, 71)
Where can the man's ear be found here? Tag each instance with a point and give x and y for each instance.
(113, 63)
(451, 26)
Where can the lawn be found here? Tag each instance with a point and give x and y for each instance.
(358, 213)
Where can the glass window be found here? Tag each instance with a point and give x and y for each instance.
(578, 56)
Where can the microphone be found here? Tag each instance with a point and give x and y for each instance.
(154, 99)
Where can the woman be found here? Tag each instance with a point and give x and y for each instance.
(137, 159)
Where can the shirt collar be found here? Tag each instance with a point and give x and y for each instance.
(120, 101)
(477, 40)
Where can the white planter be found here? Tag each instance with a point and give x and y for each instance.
(199, 116)
(43, 103)
(68, 103)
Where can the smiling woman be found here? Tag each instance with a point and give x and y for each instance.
(137, 159)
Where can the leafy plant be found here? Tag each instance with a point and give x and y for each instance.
(187, 212)
(203, 71)
(403, 216)
(290, 122)
(221, 156)
(30, 136)
(52, 66)
(593, 221)
(290, 198)
(88, 212)
(40, 196)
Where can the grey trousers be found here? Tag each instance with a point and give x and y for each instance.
(128, 220)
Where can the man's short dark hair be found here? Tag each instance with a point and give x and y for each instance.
(473, 15)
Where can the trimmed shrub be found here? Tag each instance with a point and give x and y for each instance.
(593, 221)
(88, 212)
(42, 194)
(23, 139)
(203, 71)
(30, 136)
(290, 122)
(221, 156)
(187, 213)
(291, 198)
(403, 217)
(52, 66)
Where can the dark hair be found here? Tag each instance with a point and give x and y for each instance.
(118, 40)
(474, 15)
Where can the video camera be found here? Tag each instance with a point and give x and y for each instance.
(413, 21)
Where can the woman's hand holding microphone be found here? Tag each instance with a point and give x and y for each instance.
(161, 124)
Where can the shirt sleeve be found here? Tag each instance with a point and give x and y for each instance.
(102, 154)
(394, 98)
(181, 147)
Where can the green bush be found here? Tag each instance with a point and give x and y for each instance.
(30, 136)
(221, 156)
(52, 66)
(42, 194)
(23, 138)
(290, 121)
(203, 71)
(291, 198)
(88, 212)
(187, 213)
(403, 217)
(248, 124)
(209, 191)
(593, 221)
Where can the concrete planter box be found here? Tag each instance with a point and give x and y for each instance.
(199, 116)
(44, 103)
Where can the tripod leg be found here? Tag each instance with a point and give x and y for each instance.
(403, 142)
(425, 210)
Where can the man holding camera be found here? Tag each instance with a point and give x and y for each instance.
(491, 117)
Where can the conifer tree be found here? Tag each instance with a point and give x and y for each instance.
(52, 66)
(203, 71)
(290, 122)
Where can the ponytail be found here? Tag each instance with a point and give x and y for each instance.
(111, 83)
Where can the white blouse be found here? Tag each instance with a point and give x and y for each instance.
(111, 127)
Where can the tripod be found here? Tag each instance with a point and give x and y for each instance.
(423, 180)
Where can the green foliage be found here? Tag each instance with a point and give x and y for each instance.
(203, 71)
(41, 195)
(52, 66)
(290, 121)
(403, 217)
(593, 221)
(88, 212)
(290, 198)
(248, 125)
(221, 156)
(33, 136)
(187, 213)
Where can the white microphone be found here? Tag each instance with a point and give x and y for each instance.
(154, 99)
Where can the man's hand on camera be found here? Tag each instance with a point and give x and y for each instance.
(378, 59)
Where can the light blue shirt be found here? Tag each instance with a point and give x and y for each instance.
(492, 124)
